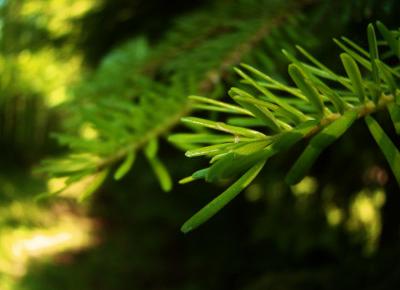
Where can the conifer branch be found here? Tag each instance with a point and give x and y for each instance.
(210, 80)
(311, 109)
(136, 138)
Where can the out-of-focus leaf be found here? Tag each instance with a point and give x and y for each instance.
(96, 182)
(158, 167)
(124, 168)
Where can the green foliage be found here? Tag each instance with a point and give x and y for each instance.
(304, 236)
(322, 103)
(139, 92)
(123, 116)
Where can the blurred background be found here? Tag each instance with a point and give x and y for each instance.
(339, 228)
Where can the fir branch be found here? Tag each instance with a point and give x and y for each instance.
(325, 120)
(209, 82)
(120, 115)
(119, 138)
